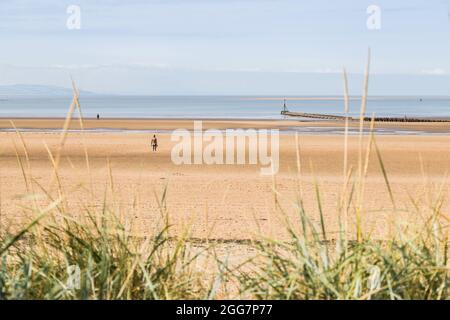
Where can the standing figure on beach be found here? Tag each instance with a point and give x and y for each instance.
(154, 143)
(98, 116)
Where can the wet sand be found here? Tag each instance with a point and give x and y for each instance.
(171, 124)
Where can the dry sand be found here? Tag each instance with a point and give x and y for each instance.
(219, 201)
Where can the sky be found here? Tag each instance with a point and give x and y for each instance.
(227, 46)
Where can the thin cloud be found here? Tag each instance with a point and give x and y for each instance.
(436, 72)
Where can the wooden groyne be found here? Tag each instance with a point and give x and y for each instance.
(404, 119)
(313, 115)
(321, 116)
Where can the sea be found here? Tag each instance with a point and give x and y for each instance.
(219, 107)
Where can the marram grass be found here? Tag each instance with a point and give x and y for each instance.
(112, 263)
(408, 266)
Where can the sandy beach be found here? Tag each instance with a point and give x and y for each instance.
(172, 124)
(209, 197)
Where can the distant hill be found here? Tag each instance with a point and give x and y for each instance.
(36, 90)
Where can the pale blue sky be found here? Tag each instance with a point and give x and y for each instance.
(226, 46)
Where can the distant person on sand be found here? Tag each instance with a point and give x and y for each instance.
(154, 143)
(98, 116)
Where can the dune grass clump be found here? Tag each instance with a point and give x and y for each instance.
(408, 266)
(98, 260)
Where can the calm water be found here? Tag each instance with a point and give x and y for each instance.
(215, 106)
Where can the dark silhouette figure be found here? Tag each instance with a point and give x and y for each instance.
(154, 143)
(98, 116)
